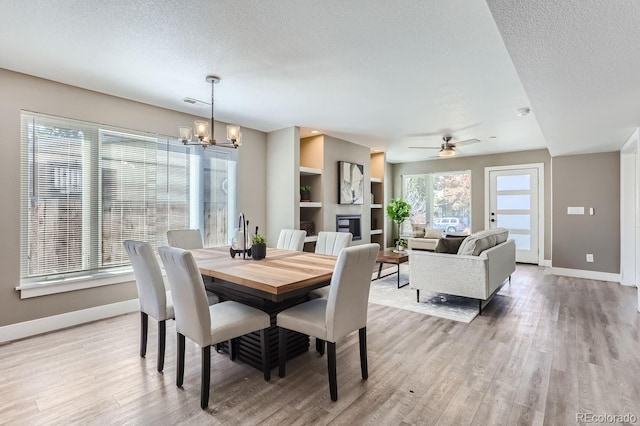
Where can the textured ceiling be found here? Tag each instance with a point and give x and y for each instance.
(379, 73)
(578, 61)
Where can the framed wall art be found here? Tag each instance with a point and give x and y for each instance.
(350, 183)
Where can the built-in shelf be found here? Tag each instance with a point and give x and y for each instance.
(373, 179)
(308, 171)
(307, 204)
(376, 206)
(376, 231)
(310, 238)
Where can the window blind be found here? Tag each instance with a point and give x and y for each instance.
(86, 188)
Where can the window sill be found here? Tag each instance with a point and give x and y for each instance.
(43, 288)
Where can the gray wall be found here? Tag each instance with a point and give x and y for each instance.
(283, 189)
(477, 164)
(591, 180)
(339, 150)
(21, 91)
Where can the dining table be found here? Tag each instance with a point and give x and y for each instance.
(283, 279)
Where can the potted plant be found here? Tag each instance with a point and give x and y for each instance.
(258, 247)
(398, 210)
(305, 193)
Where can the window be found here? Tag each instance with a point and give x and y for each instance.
(86, 188)
(439, 200)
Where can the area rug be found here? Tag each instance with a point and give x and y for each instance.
(385, 292)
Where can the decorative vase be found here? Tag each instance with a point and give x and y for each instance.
(305, 195)
(259, 251)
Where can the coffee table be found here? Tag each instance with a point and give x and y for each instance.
(391, 257)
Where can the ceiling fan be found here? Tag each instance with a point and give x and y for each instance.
(448, 148)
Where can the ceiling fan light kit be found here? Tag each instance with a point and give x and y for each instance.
(447, 151)
(448, 148)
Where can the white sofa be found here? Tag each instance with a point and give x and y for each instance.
(485, 261)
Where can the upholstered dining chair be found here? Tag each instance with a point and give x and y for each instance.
(187, 239)
(332, 243)
(207, 325)
(329, 243)
(291, 239)
(151, 293)
(342, 313)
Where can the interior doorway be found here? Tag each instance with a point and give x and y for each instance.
(514, 199)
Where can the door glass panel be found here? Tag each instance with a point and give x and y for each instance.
(523, 241)
(513, 183)
(514, 221)
(514, 202)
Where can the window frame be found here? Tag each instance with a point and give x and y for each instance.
(430, 196)
(96, 275)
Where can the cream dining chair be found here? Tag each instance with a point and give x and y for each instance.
(207, 325)
(336, 317)
(291, 239)
(187, 239)
(151, 293)
(331, 243)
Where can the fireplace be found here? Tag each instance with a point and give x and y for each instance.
(349, 223)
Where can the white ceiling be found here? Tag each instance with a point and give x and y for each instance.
(383, 74)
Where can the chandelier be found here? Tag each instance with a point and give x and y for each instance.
(204, 130)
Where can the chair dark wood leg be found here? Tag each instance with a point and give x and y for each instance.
(180, 366)
(264, 346)
(363, 353)
(479, 306)
(282, 351)
(509, 279)
(144, 327)
(206, 377)
(320, 346)
(418, 296)
(331, 367)
(162, 338)
(232, 349)
(379, 270)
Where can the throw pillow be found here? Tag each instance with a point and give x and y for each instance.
(449, 245)
(432, 233)
(483, 240)
(418, 231)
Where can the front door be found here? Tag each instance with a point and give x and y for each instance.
(514, 205)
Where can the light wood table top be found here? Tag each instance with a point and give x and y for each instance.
(282, 271)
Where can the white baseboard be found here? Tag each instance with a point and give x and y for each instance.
(69, 319)
(546, 263)
(590, 275)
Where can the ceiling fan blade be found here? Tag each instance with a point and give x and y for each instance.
(425, 147)
(466, 142)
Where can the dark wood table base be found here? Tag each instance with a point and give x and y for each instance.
(247, 348)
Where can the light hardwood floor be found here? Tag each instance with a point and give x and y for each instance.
(544, 349)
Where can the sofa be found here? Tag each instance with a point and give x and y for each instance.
(424, 238)
(479, 267)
